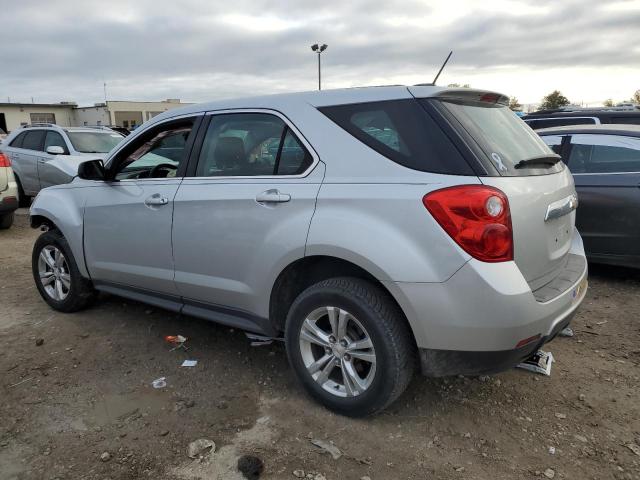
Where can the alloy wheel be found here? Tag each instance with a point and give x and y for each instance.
(54, 273)
(337, 351)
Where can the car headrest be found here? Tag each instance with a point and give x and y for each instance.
(229, 152)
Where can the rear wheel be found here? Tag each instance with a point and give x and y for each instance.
(350, 346)
(57, 276)
(6, 220)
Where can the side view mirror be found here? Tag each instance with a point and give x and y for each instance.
(92, 170)
(55, 150)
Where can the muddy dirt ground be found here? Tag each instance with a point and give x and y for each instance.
(86, 393)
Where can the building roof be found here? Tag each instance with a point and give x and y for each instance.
(44, 105)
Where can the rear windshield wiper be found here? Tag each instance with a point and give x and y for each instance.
(550, 160)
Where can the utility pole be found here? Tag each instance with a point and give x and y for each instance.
(319, 49)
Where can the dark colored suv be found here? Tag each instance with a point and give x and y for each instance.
(583, 116)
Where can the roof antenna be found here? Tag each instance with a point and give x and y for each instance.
(442, 68)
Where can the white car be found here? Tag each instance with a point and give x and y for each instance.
(8, 193)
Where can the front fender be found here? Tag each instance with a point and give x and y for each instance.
(64, 208)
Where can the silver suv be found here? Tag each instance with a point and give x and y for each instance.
(45, 154)
(376, 229)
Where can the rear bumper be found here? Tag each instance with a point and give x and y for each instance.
(475, 321)
(441, 363)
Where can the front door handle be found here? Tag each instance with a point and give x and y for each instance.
(156, 200)
(272, 196)
(42, 160)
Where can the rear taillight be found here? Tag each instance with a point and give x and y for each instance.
(477, 218)
(4, 160)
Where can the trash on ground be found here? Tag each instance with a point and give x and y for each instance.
(258, 340)
(178, 341)
(189, 363)
(327, 447)
(159, 382)
(567, 332)
(201, 448)
(634, 448)
(540, 362)
(105, 457)
(250, 466)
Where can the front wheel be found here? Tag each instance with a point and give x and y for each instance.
(350, 346)
(56, 274)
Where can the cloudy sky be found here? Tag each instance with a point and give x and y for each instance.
(198, 50)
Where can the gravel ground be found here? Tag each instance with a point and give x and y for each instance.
(81, 404)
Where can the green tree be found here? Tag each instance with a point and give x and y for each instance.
(457, 85)
(514, 104)
(554, 100)
(636, 97)
(608, 102)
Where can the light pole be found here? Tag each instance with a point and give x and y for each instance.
(319, 49)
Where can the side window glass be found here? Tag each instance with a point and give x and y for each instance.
(378, 125)
(157, 153)
(33, 140)
(241, 144)
(607, 153)
(17, 142)
(294, 158)
(54, 139)
(554, 142)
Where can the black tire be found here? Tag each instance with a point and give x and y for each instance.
(80, 293)
(387, 328)
(23, 200)
(6, 220)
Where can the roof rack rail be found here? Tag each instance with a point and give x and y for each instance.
(97, 127)
(29, 125)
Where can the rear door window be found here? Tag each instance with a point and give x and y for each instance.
(34, 140)
(251, 145)
(402, 131)
(591, 153)
(554, 142)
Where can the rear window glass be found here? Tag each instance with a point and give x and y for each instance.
(402, 131)
(503, 137)
(592, 153)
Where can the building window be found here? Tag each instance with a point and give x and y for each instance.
(42, 118)
(99, 123)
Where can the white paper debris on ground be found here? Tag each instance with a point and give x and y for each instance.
(159, 382)
(567, 332)
(327, 447)
(189, 363)
(200, 448)
(540, 362)
(258, 340)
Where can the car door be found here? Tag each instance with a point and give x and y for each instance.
(28, 157)
(244, 213)
(128, 219)
(48, 173)
(606, 171)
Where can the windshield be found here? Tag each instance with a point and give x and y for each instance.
(505, 138)
(94, 142)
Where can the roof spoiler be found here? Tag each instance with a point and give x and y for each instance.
(472, 95)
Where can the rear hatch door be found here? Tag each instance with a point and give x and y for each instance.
(513, 158)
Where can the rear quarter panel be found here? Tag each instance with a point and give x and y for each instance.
(385, 229)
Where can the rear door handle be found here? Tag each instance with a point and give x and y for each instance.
(42, 160)
(156, 200)
(272, 196)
